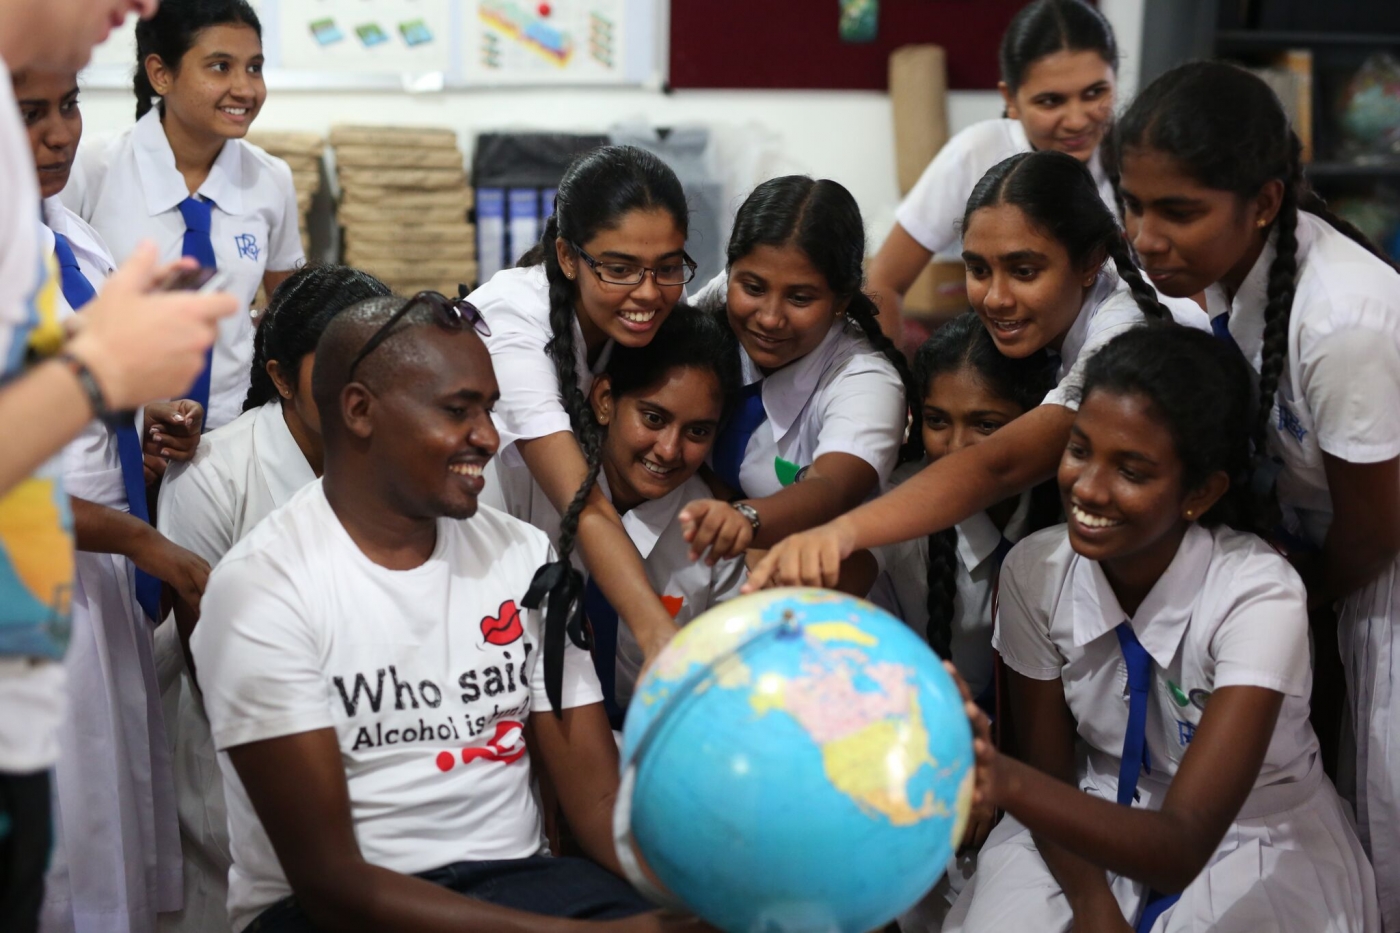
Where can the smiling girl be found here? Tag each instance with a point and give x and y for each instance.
(184, 178)
(1059, 62)
(1038, 243)
(659, 407)
(826, 395)
(1224, 819)
(1216, 200)
(609, 267)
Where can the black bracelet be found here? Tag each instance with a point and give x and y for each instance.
(97, 401)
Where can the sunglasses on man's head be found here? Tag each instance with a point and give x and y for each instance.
(448, 313)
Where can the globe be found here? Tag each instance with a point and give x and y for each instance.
(795, 760)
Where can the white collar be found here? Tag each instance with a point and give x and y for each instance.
(788, 390)
(646, 522)
(581, 352)
(81, 236)
(1105, 284)
(1161, 619)
(978, 537)
(164, 186)
(284, 466)
(1246, 310)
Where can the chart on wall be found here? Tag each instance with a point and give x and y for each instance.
(431, 44)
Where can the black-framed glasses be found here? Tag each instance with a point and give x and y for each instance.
(448, 313)
(671, 273)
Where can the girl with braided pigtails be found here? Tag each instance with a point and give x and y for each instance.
(610, 266)
(942, 585)
(827, 395)
(1048, 270)
(1215, 199)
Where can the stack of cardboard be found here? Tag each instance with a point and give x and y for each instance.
(302, 153)
(404, 206)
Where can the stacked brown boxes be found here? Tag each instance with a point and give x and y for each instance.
(404, 205)
(302, 153)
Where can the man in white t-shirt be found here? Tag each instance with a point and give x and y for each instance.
(371, 676)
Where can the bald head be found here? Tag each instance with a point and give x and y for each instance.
(412, 428)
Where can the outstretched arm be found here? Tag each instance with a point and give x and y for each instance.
(1023, 453)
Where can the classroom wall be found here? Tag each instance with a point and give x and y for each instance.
(845, 135)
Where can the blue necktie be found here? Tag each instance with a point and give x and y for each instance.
(1220, 326)
(602, 617)
(733, 440)
(78, 291)
(198, 216)
(1135, 756)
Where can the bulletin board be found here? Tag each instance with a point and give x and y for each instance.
(797, 43)
(428, 45)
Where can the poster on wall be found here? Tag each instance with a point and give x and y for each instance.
(430, 45)
(366, 37)
(544, 41)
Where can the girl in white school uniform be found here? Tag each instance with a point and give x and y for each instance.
(660, 408)
(942, 585)
(1059, 61)
(609, 268)
(1158, 661)
(1215, 199)
(184, 178)
(827, 395)
(116, 854)
(241, 472)
(1037, 243)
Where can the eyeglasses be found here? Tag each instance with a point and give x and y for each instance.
(448, 313)
(674, 272)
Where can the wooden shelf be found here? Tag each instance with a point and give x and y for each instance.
(1261, 38)
(1342, 169)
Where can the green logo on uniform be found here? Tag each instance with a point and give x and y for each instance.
(1196, 698)
(787, 471)
(1180, 698)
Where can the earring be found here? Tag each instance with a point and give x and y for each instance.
(1262, 223)
(1190, 514)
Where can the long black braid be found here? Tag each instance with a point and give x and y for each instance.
(964, 344)
(1226, 129)
(1058, 195)
(821, 218)
(598, 189)
(296, 316)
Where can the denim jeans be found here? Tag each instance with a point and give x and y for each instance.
(26, 836)
(556, 887)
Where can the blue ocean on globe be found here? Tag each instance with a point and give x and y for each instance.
(795, 761)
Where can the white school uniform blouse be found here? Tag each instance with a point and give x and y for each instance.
(130, 190)
(932, 211)
(1108, 310)
(1339, 394)
(515, 304)
(687, 587)
(239, 474)
(844, 397)
(902, 588)
(1228, 611)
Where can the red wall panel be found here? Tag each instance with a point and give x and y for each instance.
(794, 43)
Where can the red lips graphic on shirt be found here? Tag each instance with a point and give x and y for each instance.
(507, 745)
(504, 627)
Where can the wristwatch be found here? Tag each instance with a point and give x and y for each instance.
(749, 512)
